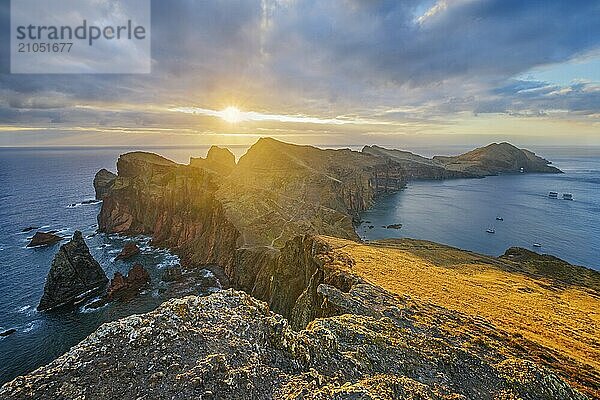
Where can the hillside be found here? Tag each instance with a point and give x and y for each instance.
(497, 158)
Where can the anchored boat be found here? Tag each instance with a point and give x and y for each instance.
(567, 196)
(553, 195)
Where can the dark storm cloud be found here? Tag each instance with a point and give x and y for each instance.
(458, 56)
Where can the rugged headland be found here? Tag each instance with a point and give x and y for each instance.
(316, 313)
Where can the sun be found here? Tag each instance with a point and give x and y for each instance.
(231, 114)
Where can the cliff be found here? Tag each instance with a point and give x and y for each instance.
(397, 319)
(276, 191)
(415, 166)
(103, 181)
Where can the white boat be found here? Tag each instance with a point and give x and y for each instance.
(490, 230)
(567, 196)
(553, 195)
(537, 245)
(499, 219)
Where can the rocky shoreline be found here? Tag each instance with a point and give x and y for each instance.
(279, 224)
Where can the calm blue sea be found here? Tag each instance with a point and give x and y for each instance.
(39, 186)
(458, 212)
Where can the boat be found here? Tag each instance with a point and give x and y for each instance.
(490, 230)
(537, 245)
(522, 170)
(553, 195)
(499, 219)
(567, 196)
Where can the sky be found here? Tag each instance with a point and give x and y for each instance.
(329, 73)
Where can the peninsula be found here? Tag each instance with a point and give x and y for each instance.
(313, 312)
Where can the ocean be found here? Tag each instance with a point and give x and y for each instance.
(46, 188)
(459, 212)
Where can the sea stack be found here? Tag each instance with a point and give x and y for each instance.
(126, 287)
(103, 182)
(74, 273)
(44, 239)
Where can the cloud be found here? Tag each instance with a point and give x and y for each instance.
(425, 61)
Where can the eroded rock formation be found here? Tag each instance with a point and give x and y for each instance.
(74, 275)
(129, 250)
(127, 286)
(44, 239)
(103, 182)
(393, 319)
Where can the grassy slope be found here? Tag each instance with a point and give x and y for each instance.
(557, 316)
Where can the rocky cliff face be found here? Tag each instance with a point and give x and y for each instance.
(73, 274)
(103, 182)
(219, 160)
(205, 212)
(415, 166)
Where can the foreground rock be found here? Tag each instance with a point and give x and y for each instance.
(229, 345)
(131, 249)
(74, 275)
(125, 287)
(44, 239)
(103, 182)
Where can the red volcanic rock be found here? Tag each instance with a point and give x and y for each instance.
(130, 250)
(124, 287)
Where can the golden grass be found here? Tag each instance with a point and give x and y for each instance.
(565, 319)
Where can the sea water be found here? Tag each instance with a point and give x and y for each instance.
(459, 212)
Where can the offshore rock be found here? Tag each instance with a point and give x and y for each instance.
(231, 346)
(125, 287)
(131, 249)
(74, 275)
(44, 239)
(8, 332)
(103, 182)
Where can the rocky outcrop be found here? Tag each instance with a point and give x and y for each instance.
(103, 182)
(8, 332)
(127, 286)
(130, 250)
(497, 158)
(218, 159)
(74, 275)
(229, 345)
(44, 239)
(415, 166)
(275, 192)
